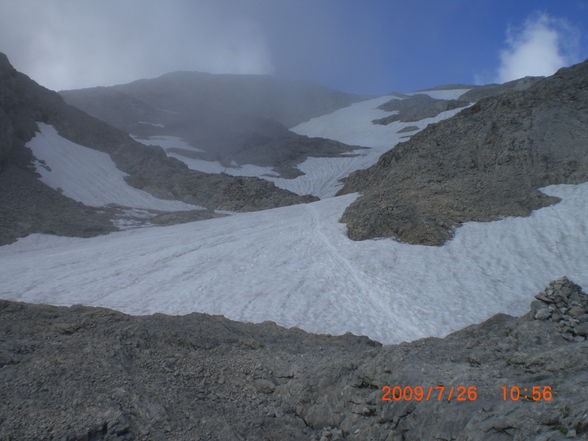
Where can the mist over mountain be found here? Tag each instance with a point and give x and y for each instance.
(233, 119)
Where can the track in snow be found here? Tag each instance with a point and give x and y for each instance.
(295, 265)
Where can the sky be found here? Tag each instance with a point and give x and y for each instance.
(360, 46)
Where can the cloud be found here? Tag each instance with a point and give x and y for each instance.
(80, 43)
(540, 47)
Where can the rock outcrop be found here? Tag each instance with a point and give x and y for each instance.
(416, 107)
(486, 162)
(85, 373)
(565, 303)
(476, 93)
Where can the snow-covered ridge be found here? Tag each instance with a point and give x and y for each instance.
(295, 265)
(89, 176)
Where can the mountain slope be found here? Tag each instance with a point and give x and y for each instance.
(24, 104)
(485, 163)
(232, 119)
(353, 125)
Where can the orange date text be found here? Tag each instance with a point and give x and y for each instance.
(420, 393)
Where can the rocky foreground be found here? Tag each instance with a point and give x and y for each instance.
(85, 373)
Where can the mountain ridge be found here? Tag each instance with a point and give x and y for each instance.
(486, 162)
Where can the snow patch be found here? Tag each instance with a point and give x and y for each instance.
(216, 167)
(170, 142)
(89, 176)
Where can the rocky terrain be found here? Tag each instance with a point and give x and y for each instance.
(84, 373)
(476, 93)
(29, 206)
(416, 107)
(485, 163)
(229, 118)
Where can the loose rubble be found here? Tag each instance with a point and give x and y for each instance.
(82, 373)
(563, 302)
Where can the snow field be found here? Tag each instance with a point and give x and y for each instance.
(295, 265)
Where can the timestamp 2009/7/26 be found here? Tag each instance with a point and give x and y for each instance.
(462, 393)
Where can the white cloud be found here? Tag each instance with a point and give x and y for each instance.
(70, 44)
(540, 47)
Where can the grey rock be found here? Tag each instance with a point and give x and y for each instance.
(264, 386)
(416, 108)
(582, 329)
(542, 314)
(479, 92)
(582, 318)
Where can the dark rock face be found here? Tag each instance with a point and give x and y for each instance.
(26, 204)
(484, 163)
(240, 118)
(84, 373)
(416, 108)
(23, 103)
(408, 129)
